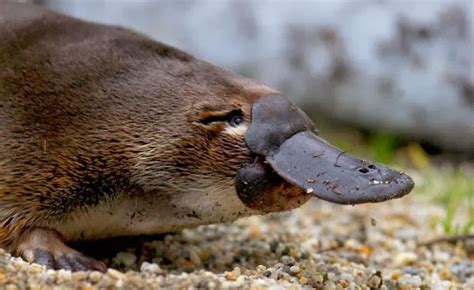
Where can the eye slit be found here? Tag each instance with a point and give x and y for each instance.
(234, 118)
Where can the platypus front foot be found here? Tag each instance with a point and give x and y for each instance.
(45, 247)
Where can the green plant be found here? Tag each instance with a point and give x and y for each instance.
(454, 190)
(383, 146)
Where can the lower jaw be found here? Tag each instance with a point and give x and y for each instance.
(289, 203)
(281, 199)
(262, 189)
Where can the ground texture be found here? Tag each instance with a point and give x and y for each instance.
(320, 245)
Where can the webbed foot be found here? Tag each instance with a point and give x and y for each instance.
(45, 247)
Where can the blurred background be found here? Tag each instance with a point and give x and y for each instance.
(391, 80)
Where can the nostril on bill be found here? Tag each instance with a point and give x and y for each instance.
(367, 169)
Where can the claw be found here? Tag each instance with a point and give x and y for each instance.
(90, 264)
(62, 262)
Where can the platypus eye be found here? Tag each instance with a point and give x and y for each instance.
(234, 118)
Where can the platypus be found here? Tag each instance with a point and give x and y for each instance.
(105, 132)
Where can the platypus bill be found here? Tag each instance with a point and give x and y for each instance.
(105, 132)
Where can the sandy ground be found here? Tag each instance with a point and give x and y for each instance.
(320, 245)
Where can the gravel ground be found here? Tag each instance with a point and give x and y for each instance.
(317, 246)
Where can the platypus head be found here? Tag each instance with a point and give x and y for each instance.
(288, 150)
(246, 148)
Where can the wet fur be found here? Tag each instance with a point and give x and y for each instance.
(91, 113)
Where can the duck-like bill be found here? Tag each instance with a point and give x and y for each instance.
(284, 136)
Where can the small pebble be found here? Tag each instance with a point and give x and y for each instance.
(11, 287)
(149, 267)
(114, 273)
(125, 258)
(261, 268)
(237, 271)
(79, 275)
(411, 271)
(295, 269)
(440, 256)
(95, 276)
(240, 281)
(230, 276)
(347, 277)
(405, 258)
(374, 281)
(64, 275)
(194, 256)
(303, 280)
(35, 268)
(373, 222)
(410, 281)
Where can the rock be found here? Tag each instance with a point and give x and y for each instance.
(64, 275)
(295, 269)
(35, 268)
(405, 258)
(374, 281)
(231, 276)
(125, 258)
(348, 277)
(115, 274)
(194, 256)
(11, 287)
(409, 282)
(149, 267)
(79, 276)
(261, 269)
(95, 276)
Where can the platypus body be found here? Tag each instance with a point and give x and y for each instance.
(105, 132)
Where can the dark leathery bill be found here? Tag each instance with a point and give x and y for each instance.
(284, 136)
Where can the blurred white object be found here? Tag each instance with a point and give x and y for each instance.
(404, 66)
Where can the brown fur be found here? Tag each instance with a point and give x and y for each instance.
(89, 111)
